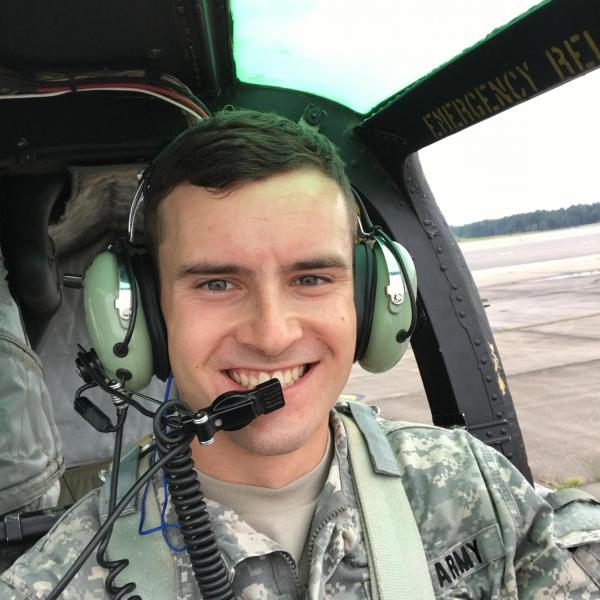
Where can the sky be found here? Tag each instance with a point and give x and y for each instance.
(541, 154)
(353, 53)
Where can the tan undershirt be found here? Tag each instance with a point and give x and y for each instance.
(284, 514)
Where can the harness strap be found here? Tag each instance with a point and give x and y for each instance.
(560, 498)
(394, 547)
(151, 565)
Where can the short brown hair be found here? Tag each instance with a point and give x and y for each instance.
(234, 147)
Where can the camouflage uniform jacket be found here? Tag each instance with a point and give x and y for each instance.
(485, 532)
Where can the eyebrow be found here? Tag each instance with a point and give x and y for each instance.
(312, 264)
(206, 268)
(317, 263)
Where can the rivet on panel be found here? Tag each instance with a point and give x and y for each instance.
(462, 313)
(489, 378)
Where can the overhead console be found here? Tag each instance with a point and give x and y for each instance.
(82, 82)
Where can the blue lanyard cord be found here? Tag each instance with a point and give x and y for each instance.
(168, 388)
(141, 529)
(164, 526)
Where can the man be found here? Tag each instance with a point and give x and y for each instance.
(252, 225)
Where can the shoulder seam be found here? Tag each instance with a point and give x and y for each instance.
(400, 425)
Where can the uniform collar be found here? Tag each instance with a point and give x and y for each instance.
(335, 531)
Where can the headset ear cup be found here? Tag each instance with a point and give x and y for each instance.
(107, 326)
(148, 287)
(364, 278)
(383, 350)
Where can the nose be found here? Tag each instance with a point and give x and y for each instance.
(270, 324)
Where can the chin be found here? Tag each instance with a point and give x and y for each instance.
(278, 433)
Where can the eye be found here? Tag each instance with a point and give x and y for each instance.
(216, 285)
(310, 280)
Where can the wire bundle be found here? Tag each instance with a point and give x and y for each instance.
(167, 88)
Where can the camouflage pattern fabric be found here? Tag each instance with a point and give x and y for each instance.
(31, 459)
(486, 534)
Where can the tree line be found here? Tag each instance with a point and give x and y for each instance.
(539, 220)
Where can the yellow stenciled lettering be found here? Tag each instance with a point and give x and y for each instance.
(478, 109)
(557, 58)
(455, 126)
(523, 70)
(502, 96)
(554, 65)
(426, 118)
(461, 108)
(484, 99)
(438, 115)
(574, 54)
(511, 75)
(592, 45)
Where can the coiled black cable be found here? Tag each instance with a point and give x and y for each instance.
(114, 567)
(108, 524)
(206, 560)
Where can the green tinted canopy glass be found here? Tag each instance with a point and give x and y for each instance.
(356, 53)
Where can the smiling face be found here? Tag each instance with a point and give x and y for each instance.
(258, 284)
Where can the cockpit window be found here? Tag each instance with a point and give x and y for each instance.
(352, 52)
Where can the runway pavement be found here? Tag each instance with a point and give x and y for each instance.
(545, 315)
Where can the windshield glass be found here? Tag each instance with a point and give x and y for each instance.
(356, 53)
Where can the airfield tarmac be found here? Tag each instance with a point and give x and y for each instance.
(544, 294)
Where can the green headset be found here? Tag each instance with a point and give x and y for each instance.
(128, 333)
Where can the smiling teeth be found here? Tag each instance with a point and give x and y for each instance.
(250, 379)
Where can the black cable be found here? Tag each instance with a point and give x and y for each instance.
(206, 560)
(64, 480)
(140, 408)
(139, 484)
(98, 378)
(93, 373)
(115, 567)
(149, 398)
(121, 348)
